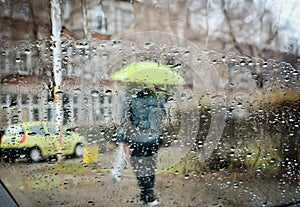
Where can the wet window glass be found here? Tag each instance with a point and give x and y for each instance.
(52, 129)
(37, 129)
(13, 130)
(149, 103)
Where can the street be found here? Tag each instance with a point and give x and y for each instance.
(74, 183)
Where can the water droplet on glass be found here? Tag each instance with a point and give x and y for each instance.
(81, 45)
(108, 92)
(95, 93)
(176, 53)
(287, 48)
(265, 65)
(77, 90)
(186, 53)
(50, 101)
(39, 43)
(233, 59)
(104, 55)
(59, 92)
(224, 58)
(243, 63)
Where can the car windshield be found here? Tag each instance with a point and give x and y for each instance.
(14, 130)
(150, 102)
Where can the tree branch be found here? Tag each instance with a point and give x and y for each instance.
(231, 32)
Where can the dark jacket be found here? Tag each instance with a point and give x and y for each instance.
(142, 118)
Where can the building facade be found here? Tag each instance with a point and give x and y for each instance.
(26, 91)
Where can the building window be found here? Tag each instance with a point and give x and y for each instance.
(3, 99)
(25, 99)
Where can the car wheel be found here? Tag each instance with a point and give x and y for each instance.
(35, 154)
(9, 158)
(78, 152)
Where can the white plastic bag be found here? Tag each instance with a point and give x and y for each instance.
(118, 165)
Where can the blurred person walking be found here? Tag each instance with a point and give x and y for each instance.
(142, 118)
(140, 136)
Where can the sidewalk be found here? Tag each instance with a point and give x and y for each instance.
(93, 188)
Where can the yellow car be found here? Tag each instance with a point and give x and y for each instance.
(37, 141)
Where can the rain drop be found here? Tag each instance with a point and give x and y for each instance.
(214, 62)
(108, 92)
(105, 56)
(243, 63)
(176, 53)
(39, 43)
(59, 92)
(92, 203)
(186, 53)
(265, 65)
(250, 63)
(18, 60)
(224, 58)
(95, 93)
(77, 90)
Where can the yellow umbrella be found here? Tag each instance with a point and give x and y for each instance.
(150, 73)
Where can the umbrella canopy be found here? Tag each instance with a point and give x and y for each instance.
(150, 73)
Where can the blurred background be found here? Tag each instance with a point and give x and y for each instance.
(238, 57)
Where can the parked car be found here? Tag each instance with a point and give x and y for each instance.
(37, 141)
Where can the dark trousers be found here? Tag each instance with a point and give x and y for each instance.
(143, 162)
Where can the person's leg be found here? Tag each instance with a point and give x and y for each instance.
(146, 185)
(143, 161)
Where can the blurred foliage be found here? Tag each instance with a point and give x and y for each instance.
(283, 96)
(266, 141)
